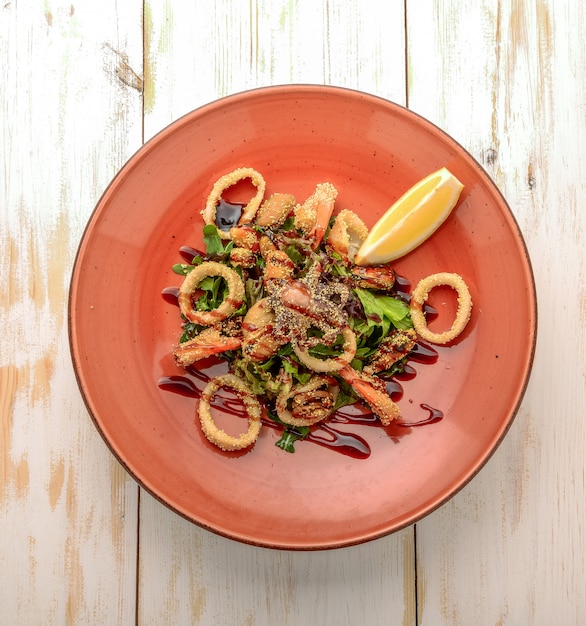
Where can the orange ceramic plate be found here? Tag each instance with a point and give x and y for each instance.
(122, 330)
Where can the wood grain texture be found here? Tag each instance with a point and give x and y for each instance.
(82, 85)
(67, 510)
(509, 549)
(196, 577)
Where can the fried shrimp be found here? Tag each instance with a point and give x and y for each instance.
(372, 390)
(275, 209)
(209, 342)
(259, 342)
(231, 303)
(253, 410)
(226, 181)
(380, 277)
(393, 348)
(278, 266)
(246, 237)
(419, 297)
(313, 215)
(243, 257)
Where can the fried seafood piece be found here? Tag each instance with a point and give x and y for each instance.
(381, 277)
(419, 297)
(209, 342)
(266, 245)
(373, 391)
(309, 403)
(259, 340)
(226, 181)
(243, 257)
(231, 303)
(312, 217)
(275, 210)
(393, 348)
(312, 302)
(278, 266)
(298, 309)
(346, 234)
(245, 236)
(218, 436)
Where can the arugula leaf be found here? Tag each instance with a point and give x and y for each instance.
(337, 267)
(254, 291)
(190, 330)
(293, 366)
(215, 290)
(288, 224)
(260, 376)
(214, 244)
(182, 268)
(295, 255)
(290, 436)
(346, 395)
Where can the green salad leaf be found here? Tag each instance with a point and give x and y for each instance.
(214, 243)
(385, 310)
(290, 435)
(182, 268)
(215, 290)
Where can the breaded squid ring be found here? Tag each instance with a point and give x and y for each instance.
(318, 405)
(419, 297)
(347, 234)
(216, 435)
(226, 181)
(231, 303)
(335, 363)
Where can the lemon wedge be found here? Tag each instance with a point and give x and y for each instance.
(412, 219)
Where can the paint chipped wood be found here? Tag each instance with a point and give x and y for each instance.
(84, 84)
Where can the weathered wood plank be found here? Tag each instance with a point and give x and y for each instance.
(199, 52)
(507, 81)
(195, 54)
(505, 78)
(71, 114)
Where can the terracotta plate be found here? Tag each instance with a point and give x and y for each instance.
(122, 329)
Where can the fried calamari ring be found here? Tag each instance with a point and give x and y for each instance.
(419, 297)
(226, 181)
(216, 435)
(347, 234)
(310, 403)
(335, 363)
(231, 303)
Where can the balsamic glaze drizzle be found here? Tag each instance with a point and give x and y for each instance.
(192, 383)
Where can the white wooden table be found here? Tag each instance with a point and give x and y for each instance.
(82, 85)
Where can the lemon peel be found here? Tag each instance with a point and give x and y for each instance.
(412, 219)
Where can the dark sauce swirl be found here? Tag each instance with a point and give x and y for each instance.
(326, 434)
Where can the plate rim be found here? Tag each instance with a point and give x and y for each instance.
(135, 158)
